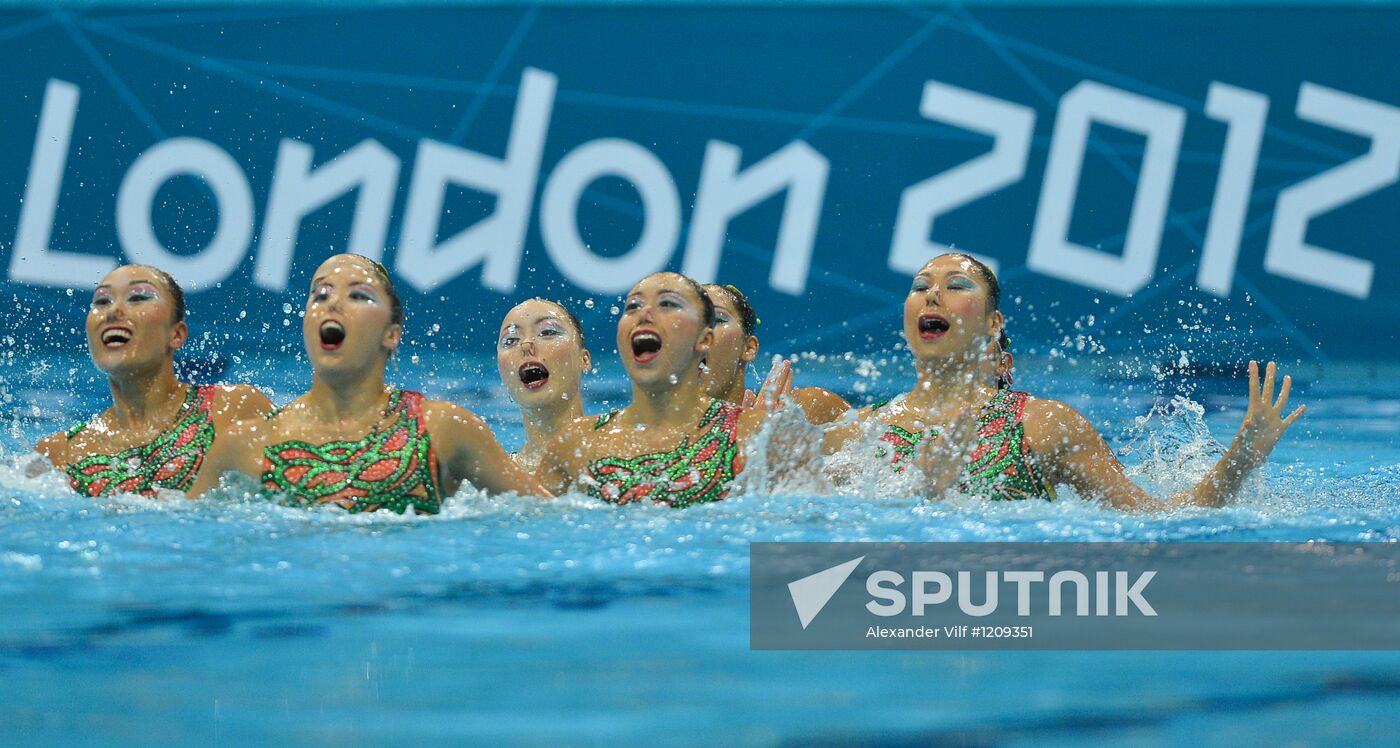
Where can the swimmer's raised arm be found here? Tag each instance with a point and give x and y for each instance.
(1071, 451)
(469, 451)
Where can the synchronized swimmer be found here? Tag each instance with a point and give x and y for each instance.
(355, 442)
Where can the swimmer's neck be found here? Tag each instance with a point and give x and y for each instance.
(542, 423)
(671, 406)
(735, 391)
(140, 398)
(944, 384)
(346, 399)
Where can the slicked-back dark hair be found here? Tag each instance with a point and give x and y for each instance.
(748, 318)
(177, 294)
(707, 304)
(988, 277)
(395, 303)
(570, 316)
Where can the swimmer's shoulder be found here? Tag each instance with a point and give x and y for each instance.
(85, 438)
(821, 406)
(239, 402)
(249, 435)
(884, 409)
(446, 420)
(54, 448)
(1053, 426)
(572, 440)
(581, 429)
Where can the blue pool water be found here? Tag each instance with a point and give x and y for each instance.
(130, 621)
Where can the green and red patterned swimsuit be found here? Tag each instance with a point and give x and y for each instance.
(693, 473)
(392, 467)
(170, 461)
(1001, 467)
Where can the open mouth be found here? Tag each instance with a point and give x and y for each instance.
(533, 375)
(332, 335)
(116, 337)
(646, 345)
(932, 326)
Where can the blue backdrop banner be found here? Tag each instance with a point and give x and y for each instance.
(1213, 177)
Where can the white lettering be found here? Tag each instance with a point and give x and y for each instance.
(988, 606)
(1133, 594)
(31, 260)
(1052, 253)
(884, 585)
(661, 215)
(1081, 590)
(922, 597)
(1010, 126)
(233, 200)
(1289, 253)
(498, 241)
(725, 193)
(1023, 581)
(1101, 593)
(1245, 112)
(298, 191)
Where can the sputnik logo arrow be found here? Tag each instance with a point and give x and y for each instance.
(811, 593)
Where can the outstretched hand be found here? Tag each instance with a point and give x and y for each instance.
(1264, 422)
(775, 389)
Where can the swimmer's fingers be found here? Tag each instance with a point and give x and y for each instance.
(750, 399)
(1295, 415)
(1283, 394)
(784, 384)
(1253, 382)
(1267, 393)
(775, 385)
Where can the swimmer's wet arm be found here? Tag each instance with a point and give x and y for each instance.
(469, 451)
(837, 435)
(1264, 425)
(1070, 451)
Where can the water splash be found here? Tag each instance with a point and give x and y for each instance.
(1172, 446)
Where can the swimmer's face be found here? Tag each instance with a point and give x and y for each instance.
(349, 316)
(662, 334)
(131, 321)
(540, 355)
(945, 313)
(732, 350)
